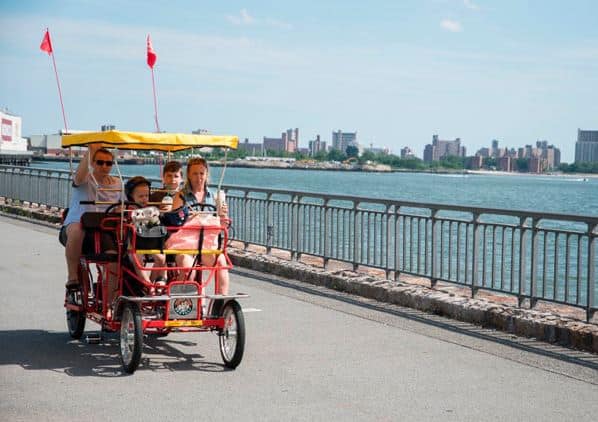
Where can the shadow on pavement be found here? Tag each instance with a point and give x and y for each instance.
(56, 351)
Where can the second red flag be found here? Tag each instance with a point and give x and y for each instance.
(151, 54)
(46, 44)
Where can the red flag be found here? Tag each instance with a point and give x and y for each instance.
(46, 44)
(151, 54)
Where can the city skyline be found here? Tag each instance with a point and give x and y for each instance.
(395, 73)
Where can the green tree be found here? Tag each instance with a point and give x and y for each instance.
(368, 156)
(320, 156)
(352, 151)
(564, 167)
(453, 162)
(336, 155)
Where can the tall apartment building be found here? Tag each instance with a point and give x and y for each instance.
(494, 145)
(550, 153)
(316, 146)
(586, 147)
(407, 153)
(505, 163)
(274, 144)
(474, 162)
(254, 149)
(341, 140)
(291, 140)
(440, 149)
(536, 165)
(288, 141)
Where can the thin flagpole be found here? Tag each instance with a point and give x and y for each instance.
(151, 61)
(155, 103)
(66, 128)
(156, 119)
(46, 46)
(157, 124)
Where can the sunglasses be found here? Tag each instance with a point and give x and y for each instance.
(104, 163)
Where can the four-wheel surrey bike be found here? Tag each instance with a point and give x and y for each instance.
(118, 236)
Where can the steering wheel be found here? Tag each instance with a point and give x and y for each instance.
(202, 207)
(126, 203)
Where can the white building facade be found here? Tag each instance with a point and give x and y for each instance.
(11, 139)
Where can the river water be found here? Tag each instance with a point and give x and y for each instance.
(540, 193)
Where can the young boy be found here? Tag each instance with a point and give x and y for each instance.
(172, 177)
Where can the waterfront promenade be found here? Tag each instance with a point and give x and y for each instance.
(312, 354)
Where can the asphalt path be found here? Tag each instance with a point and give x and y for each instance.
(311, 354)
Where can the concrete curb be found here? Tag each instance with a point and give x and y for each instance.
(546, 326)
(42, 214)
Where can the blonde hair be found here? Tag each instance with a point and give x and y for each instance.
(194, 162)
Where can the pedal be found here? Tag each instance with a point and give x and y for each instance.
(93, 338)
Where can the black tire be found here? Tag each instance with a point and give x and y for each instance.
(75, 320)
(232, 336)
(131, 337)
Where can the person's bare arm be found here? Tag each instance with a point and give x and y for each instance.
(83, 168)
(178, 201)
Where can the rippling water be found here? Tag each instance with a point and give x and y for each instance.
(555, 194)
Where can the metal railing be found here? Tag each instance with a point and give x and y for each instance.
(532, 255)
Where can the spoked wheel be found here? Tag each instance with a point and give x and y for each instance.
(75, 320)
(232, 336)
(131, 337)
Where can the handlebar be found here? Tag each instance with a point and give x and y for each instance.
(106, 203)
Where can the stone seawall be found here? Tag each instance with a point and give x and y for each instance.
(542, 325)
(552, 324)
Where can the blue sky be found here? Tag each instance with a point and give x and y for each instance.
(396, 72)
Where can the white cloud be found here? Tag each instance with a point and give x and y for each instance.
(451, 25)
(244, 18)
(471, 5)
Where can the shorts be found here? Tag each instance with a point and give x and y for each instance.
(107, 240)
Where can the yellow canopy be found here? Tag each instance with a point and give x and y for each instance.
(149, 141)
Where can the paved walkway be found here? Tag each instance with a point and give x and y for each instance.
(312, 354)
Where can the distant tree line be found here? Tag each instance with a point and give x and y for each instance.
(579, 167)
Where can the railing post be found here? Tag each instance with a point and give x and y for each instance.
(591, 287)
(269, 223)
(294, 227)
(435, 256)
(326, 234)
(397, 230)
(387, 243)
(356, 238)
(246, 220)
(534, 262)
(475, 254)
(522, 263)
